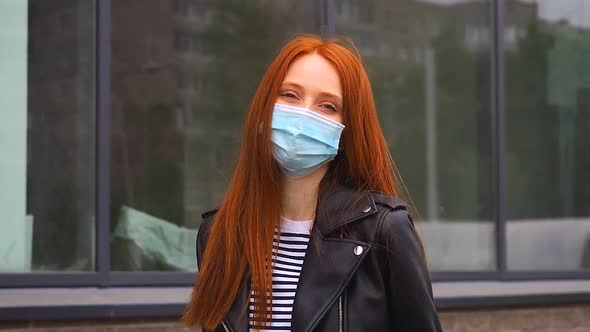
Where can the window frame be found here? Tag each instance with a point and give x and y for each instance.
(103, 277)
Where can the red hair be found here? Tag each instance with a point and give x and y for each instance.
(241, 236)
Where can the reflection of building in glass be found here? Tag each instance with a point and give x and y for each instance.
(170, 67)
(183, 75)
(569, 90)
(146, 143)
(206, 66)
(193, 57)
(402, 30)
(60, 139)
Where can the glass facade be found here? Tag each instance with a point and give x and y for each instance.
(429, 64)
(181, 76)
(47, 136)
(548, 135)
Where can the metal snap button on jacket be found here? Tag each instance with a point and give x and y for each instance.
(358, 250)
(367, 209)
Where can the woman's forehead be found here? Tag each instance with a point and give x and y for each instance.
(314, 73)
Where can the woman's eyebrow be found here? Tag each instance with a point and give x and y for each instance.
(296, 85)
(331, 95)
(323, 93)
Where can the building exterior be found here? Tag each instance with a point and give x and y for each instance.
(121, 121)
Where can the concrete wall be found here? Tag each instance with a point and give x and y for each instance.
(540, 319)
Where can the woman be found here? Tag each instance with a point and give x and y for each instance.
(311, 234)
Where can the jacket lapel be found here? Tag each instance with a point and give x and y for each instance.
(326, 271)
(236, 321)
(328, 266)
(343, 206)
(330, 262)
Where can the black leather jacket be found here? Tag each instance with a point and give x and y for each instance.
(368, 275)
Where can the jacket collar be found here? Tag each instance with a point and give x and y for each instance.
(344, 205)
(331, 262)
(323, 280)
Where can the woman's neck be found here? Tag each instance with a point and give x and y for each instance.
(299, 196)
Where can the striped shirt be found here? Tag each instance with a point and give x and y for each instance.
(285, 275)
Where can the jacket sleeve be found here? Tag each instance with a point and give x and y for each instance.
(411, 302)
(203, 236)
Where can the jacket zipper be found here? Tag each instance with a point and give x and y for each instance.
(340, 318)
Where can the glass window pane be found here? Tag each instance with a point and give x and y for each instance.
(47, 138)
(183, 74)
(429, 64)
(548, 113)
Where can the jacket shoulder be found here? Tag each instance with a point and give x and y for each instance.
(207, 220)
(394, 219)
(203, 234)
(388, 202)
(409, 286)
(209, 214)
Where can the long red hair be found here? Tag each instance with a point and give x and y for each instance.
(241, 236)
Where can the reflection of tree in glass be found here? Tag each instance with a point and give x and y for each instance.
(464, 124)
(546, 125)
(240, 42)
(462, 90)
(532, 129)
(62, 215)
(464, 128)
(155, 184)
(400, 105)
(582, 139)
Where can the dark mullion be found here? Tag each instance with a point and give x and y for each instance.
(103, 148)
(445, 276)
(329, 22)
(48, 279)
(174, 310)
(500, 135)
(121, 311)
(511, 301)
(452, 276)
(186, 279)
(153, 278)
(545, 275)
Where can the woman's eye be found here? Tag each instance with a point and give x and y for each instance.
(287, 94)
(330, 107)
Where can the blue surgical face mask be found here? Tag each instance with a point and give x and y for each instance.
(303, 140)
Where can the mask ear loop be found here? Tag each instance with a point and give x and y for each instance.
(341, 143)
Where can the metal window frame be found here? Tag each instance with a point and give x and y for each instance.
(103, 176)
(99, 277)
(103, 277)
(499, 134)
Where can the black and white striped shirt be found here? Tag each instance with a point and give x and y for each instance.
(285, 275)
